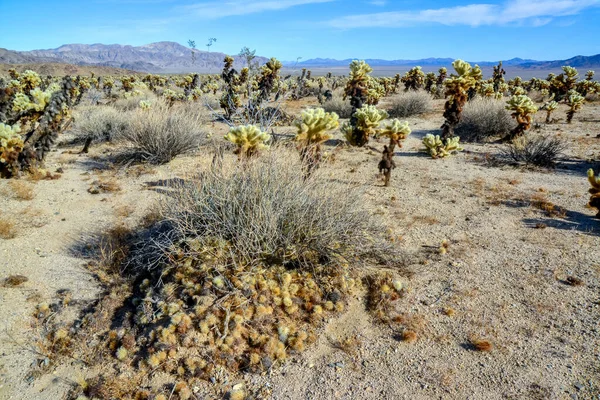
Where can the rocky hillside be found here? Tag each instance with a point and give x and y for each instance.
(165, 57)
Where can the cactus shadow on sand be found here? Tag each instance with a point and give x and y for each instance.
(572, 221)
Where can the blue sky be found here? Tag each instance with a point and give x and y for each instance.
(288, 29)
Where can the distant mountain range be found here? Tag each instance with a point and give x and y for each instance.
(577, 62)
(161, 57)
(171, 57)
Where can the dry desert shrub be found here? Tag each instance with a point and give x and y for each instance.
(339, 106)
(538, 150)
(483, 119)
(266, 211)
(19, 190)
(96, 124)
(133, 102)
(410, 103)
(7, 229)
(159, 134)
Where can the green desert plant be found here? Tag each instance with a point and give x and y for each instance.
(594, 191)
(249, 140)
(438, 149)
(413, 79)
(366, 120)
(357, 89)
(457, 92)
(395, 131)
(574, 101)
(312, 132)
(522, 108)
(550, 106)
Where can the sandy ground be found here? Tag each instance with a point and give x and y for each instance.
(504, 273)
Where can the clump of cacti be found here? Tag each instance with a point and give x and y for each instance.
(457, 92)
(498, 76)
(363, 124)
(522, 108)
(249, 139)
(396, 131)
(313, 126)
(437, 148)
(574, 101)
(230, 100)
(550, 107)
(357, 89)
(594, 191)
(413, 79)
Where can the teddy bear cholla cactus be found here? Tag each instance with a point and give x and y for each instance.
(366, 121)
(574, 101)
(357, 88)
(395, 131)
(457, 88)
(522, 108)
(550, 106)
(249, 139)
(594, 191)
(438, 148)
(312, 132)
(11, 145)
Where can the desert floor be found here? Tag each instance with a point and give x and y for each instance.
(504, 275)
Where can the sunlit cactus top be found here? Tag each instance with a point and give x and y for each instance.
(359, 70)
(313, 124)
(396, 130)
(521, 105)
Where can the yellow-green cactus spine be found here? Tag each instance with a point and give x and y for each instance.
(574, 101)
(312, 131)
(396, 131)
(438, 149)
(594, 191)
(522, 108)
(249, 139)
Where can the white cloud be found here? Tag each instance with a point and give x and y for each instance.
(534, 12)
(378, 3)
(214, 9)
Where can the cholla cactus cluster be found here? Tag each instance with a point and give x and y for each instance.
(396, 131)
(32, 118)
(457, 92)
(440, 149)
(11, 145)
(574, 101)
(249, 139)
(550, 107)
(522, 108)
(414, 79)
(366, 121)
(594, 191)
(313, 126)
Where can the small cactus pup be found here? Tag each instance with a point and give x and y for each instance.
(396, 131)
(312, 127)
(522, 108)
(357, 88)
(550, 106)
(457, 92)
(594, 191)
(574, 101)
(364, 123)
(438, 149)
(249, 139)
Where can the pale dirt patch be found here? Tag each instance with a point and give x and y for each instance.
(504, 278)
